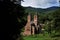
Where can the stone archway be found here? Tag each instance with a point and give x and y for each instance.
(33, 29)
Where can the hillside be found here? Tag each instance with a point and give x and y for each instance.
(39, 10)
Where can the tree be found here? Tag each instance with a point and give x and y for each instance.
(10, 14)
(55, 23)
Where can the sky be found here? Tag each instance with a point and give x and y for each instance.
(40, 3)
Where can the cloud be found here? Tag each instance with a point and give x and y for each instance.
(40, 3)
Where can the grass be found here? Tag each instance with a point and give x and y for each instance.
(44, 36)
(38, 37)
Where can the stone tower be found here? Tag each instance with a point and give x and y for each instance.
(31, 26)
(27, 30)
(35, 21)
(29, 18)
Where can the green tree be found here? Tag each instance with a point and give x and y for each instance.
(10, 14)
(54, 23)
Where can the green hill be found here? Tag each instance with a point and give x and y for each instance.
(39, 10)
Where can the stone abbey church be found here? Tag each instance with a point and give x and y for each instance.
(32, 26)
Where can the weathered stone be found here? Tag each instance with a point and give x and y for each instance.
(31, 27)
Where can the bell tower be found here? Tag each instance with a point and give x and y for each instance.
(29, 18)
(35, 19)
(35, 22)
(28, 26)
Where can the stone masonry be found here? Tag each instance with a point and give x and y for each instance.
(31, 27)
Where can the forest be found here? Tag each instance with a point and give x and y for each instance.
(14, 18)
(51, 18)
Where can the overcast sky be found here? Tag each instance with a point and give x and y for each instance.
(40, 3)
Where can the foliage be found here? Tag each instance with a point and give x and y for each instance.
(10, 14)
(38, 37)
(51, 19)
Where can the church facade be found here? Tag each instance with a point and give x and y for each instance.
(32, 26)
